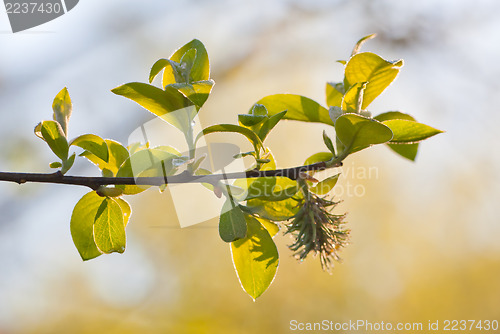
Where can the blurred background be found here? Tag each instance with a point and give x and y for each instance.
(424, 235)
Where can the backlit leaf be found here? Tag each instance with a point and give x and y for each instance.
(232, 223)
(357, 132)
(252, 136)
(93, 144)
(334, 94)
(117, 154)
(109, 227)
(255, 259)
(409, 131)
(159, 102)
(371, 68)
(53, 134)
(62, 108)
(200, 70)
(82, 225)
(299, 108)
(325, 186)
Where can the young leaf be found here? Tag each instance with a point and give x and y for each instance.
(109, 227)
(254, 139)
(328, 142)
(53, 134)
(82, 225)
(62, 108)
(157, 101)
(334, 94)
(271, 227)
(196, 92)
(369, 67)
(117, 154)
(325, 186)
(269, 124)
(408, 151)
(393, 115)
(410, 131)
(357, 132)
(362, 41)
(93, 144)
(353, 98)
(318, 157)
(56, 164)
(299, 108)
(200, 70)
(126, 209)
(273, 210)
(147, 162)
(249, 120)
(158, 66)
(68, 163)
(255, 259)
(232, 224)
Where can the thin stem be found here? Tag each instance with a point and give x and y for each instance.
(184, 177)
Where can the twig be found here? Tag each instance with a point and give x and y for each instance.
(184, 177)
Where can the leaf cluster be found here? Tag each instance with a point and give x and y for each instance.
(255, 209)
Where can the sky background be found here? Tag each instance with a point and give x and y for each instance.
(424, 235)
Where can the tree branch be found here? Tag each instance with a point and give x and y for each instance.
(184, 177)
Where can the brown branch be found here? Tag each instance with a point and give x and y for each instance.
(184, 177)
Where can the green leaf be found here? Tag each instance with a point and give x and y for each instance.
(318, 157)
(393, 115)
(334, 94)
(68, 163)
(362, 41)
(56, 164)
(259, 187)
(255, 259)
(82, 225)
(196, 92)
(325, 186)
(273, 210)
(269, 124)
(250, 120)
(160, 102)
(109, 227)
(328, 142)
(53, 134)
(271, 227)
(232, 224)
(126, 209)
(93, 144)
(357, 132)
(353, 99)
(408, 151)
(147, 162)
(409, 131)
(371, 68)
(158, 66)
(200, 69)
(299, 108)
(62, 108)
(117, 154)
(252, 136)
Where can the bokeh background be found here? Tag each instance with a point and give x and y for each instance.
(424, 235)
